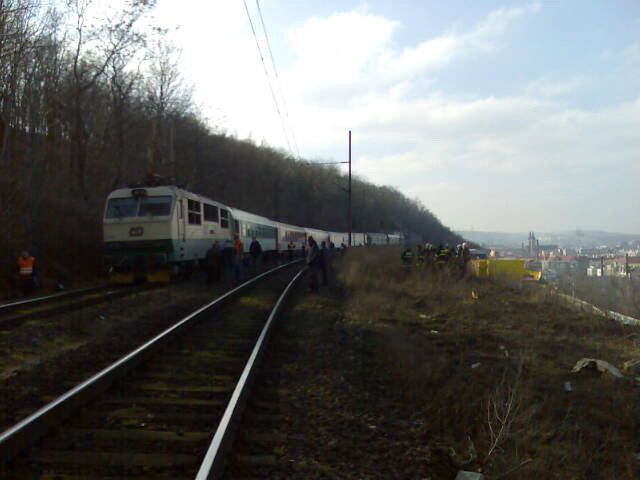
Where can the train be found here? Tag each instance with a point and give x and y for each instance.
(155, 232)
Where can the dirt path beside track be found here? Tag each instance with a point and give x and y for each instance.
(405, 374)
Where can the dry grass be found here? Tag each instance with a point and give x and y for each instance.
(487, 375)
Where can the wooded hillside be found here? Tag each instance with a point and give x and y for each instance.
(88, 106)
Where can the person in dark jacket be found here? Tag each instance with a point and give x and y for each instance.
(228, 260)
(407, 256)
(212, 263)
(255, 249)
(313, 261)
(324, 259)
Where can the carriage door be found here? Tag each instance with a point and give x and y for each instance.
(182, 228)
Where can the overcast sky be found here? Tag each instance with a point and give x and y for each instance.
(506, 116)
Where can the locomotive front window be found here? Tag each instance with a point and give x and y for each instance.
(122, 207)
(155, 206)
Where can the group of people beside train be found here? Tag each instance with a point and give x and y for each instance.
(228, 262)
(318, 258)
(438, 256)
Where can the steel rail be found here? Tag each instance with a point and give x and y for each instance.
(212, 466)
(67, 303)
(7, 307)
(29, 430)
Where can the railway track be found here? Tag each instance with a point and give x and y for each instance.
(14, 313)
(152, 413)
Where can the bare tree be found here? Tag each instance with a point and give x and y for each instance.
(125, 76)
(89, 64)
(167, 96)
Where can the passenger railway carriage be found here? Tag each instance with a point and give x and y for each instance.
(338, 238)
(148, 229)
(290, 233)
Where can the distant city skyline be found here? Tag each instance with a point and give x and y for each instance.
(569, 238)
(510, 116)
(548, 232)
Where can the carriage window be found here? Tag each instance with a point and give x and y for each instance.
(122, 207)
(236, 224)
(193, 208)
(155, 206)
(210, 213)
(224, 218)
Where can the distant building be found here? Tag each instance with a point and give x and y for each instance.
(594, 271)
(532, 250)
(547, 251)
(614, 266)
(562, 266)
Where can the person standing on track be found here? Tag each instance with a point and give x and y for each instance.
(255, 249)
(313, 261)
(27, 273)
(290, 249)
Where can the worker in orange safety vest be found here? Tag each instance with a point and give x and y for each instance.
(239, 258)
(26, 273)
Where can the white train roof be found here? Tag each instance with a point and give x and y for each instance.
(288, 226)
(251, 217)
(126, 192)
(165, 190)
(315, 231)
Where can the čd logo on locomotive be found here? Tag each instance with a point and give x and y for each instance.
(136, 231)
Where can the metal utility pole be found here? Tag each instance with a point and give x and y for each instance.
(349, 208)
(172, 158)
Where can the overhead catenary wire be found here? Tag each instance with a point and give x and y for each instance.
(278, 82)
(266, 72)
